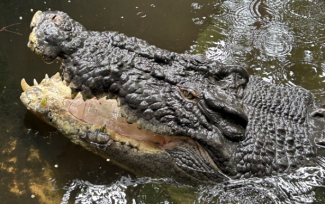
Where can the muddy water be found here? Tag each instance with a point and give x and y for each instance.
(281, 40)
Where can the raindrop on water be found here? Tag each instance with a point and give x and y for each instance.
(32, 196)
(196, 6)
(153, 5)
(21, 18)
(56, 166)
(31, 10)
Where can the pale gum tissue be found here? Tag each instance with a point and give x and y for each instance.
(96, 113)
(102, 111)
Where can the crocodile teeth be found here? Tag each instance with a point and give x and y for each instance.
(24, 85)
(56, 77)
(45, 79)
(103, 128)
(35, 82)
(78, 95)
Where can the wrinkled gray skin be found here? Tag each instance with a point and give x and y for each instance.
(249, 127)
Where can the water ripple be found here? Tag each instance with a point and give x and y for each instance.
(261, 10)
(304, 72)
(241, 16)
(86, 192)
(273, 40)
(90, 193)
(297, 187)
(306, 9)
(273, 3)
(220, 52)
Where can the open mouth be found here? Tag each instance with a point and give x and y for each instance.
(52, 96)
(97, 125)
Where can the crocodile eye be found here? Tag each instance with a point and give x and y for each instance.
(189, 94)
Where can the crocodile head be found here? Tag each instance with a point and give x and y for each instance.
(157, 90)
(198, 119)
(97, 125)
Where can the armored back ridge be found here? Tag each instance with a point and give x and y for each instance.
(203, 120)
(278, 136)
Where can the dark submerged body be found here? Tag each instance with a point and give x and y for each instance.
(249, 127)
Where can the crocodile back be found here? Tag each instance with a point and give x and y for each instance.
(277, 136)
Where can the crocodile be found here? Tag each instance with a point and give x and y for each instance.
(164, 114)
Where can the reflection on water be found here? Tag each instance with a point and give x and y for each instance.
(280, 40)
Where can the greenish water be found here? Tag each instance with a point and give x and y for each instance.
(281, 40)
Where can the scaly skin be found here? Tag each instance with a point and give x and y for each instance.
(47, 101)
(245, 126)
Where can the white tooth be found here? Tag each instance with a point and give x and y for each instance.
(24, 85)
(45, 79)
(78, 96)
(35, 82)
(56, 77)
(118, 102)
(102, 99)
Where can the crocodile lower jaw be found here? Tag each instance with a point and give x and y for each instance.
(97, 121)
